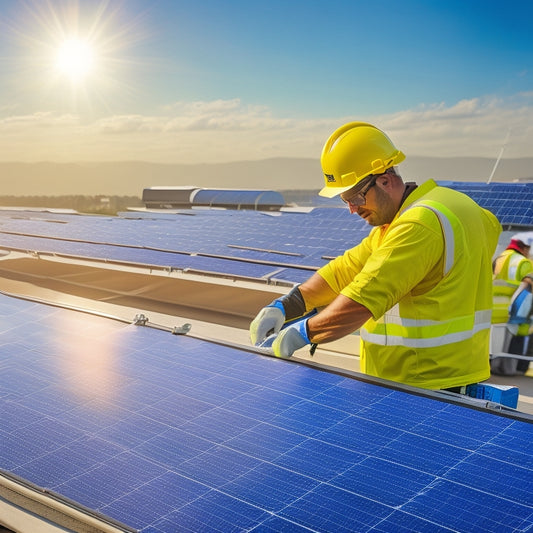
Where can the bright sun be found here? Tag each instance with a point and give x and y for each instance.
(75, 59)
(75, 50)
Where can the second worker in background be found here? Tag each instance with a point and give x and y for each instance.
(512, 268)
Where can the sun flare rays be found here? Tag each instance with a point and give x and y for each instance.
(74, 52)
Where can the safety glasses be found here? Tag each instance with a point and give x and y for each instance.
(358, 198)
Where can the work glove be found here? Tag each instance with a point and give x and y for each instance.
(288, 340)
(267, 322)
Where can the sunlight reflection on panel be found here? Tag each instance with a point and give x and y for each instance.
(88, 356)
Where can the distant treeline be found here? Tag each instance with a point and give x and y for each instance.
(101, 204)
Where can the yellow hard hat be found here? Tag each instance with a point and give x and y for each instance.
(353, 152)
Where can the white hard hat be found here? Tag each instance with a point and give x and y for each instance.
(525, 237)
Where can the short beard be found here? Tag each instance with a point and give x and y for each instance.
(387, 210)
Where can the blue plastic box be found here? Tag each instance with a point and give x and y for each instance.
(503, 394)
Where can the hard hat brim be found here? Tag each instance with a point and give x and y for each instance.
(331, 192)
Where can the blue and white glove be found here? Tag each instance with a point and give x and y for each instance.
(267, 322)
(288, 340)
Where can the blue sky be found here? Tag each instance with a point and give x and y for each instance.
(213, 81)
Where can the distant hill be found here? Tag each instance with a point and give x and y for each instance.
(130, 178)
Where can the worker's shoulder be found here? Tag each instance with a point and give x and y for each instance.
(417, 223)
(420, 212)
(432, 197)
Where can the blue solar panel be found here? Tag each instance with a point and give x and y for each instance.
(510, 202)
(169, 433)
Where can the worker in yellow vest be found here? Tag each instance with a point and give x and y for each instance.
(510, 268)
(419, 287)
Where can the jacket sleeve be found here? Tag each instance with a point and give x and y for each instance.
(339, 272)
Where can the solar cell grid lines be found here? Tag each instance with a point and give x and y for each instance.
(166, 433)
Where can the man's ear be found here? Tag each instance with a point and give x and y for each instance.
(384, 181)
(388, 180)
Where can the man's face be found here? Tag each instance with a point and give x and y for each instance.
(378, 208)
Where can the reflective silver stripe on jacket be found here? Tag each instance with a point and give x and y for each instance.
(482, 321)
(449, 237)
(505, 283)
(514, 263)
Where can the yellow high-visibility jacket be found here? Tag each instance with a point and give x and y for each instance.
(427, 280)
(510, 268)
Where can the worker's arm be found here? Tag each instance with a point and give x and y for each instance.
(289, 313)
(524, 268)
(293, 316)
(316, 292)
(340, 318)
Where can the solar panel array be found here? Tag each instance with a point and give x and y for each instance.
(284, 247)
(512, 203)
(166, 433)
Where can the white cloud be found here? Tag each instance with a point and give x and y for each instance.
(474, 127)
(228, 130)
